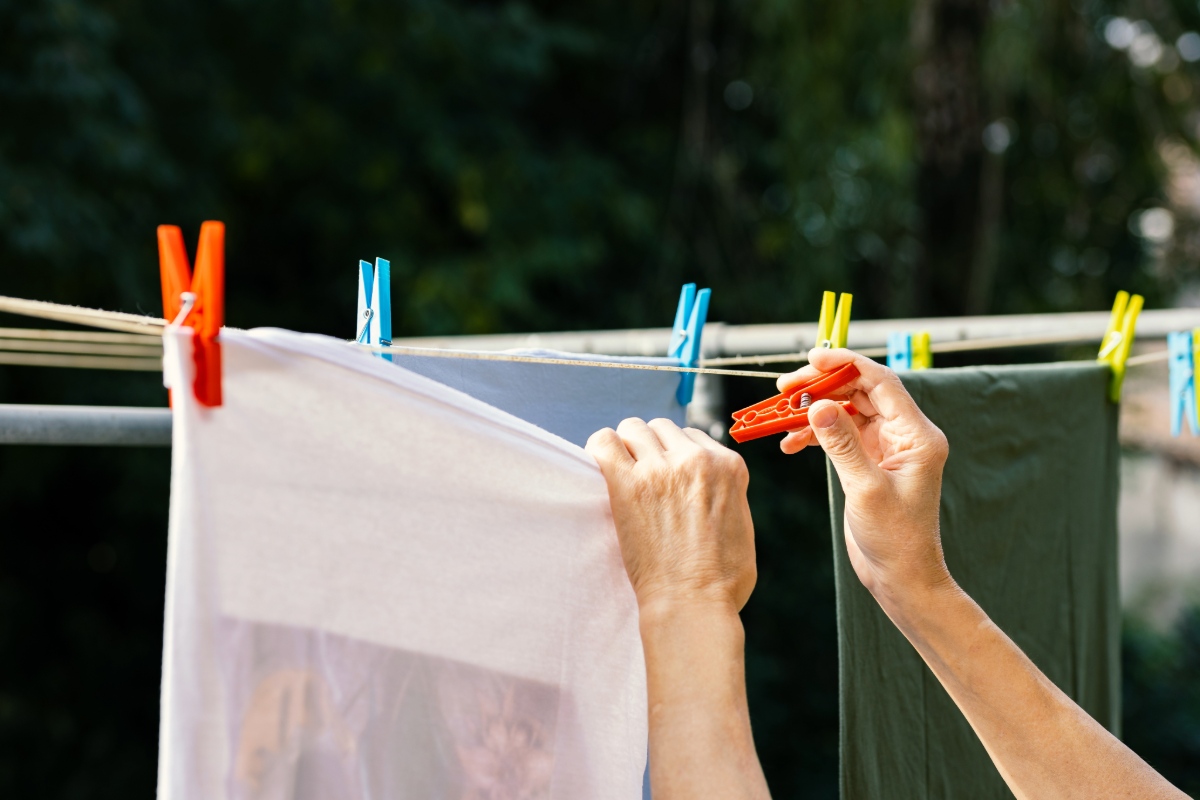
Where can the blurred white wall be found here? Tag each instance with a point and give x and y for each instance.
(1160, 501)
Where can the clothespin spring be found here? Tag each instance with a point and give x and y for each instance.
(365, 330)
(187, 300)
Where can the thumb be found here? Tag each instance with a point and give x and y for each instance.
(839, 438)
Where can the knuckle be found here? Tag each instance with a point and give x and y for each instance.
(738, 470)
(939, 444)
(837, 442)
(629, 423)
(892, 378)
(731, 460)
(601, 436)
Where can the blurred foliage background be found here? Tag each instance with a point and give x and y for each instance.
(541, 166)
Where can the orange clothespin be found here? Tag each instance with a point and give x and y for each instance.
(196, 300)
(789, 411)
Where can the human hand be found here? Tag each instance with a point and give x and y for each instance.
(679, 504)
(889, 459)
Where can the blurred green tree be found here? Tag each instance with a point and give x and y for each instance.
(1162, 697)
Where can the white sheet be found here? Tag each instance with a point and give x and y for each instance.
(379, 587)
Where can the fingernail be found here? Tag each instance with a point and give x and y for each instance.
(823, 416)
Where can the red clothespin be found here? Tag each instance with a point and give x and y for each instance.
(204, 292)
(789, 411)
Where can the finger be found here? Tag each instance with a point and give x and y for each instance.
(888, 396)
(862, 404)
(703, 439)
(796, 441)
(822, 360)
(842, 442)
(802, 375)
(861, 421)
(639, 439)
(609, 451)
(670, 434)
(799, 440)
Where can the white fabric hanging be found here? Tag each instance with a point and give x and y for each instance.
(379, 587)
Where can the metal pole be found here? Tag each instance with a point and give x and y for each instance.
(721, 339)
(85, 425)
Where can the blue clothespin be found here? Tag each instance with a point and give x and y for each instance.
(1182, 365)
(909, 351)
(375, 304)
(685, 336)
(899, 352)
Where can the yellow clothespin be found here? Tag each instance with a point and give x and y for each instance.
(922, 355)
(1195, 361)
(1118, 339)
(833, 328)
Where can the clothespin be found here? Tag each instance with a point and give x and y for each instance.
(1118, 339)
(833, 328)
(1195, 361)
(1181, 354)
(690, 316)
(375, 304)
(788, 411)
(908, 351)
(196, 300)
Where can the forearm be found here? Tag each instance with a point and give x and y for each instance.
(1044, 745)
(700, 740)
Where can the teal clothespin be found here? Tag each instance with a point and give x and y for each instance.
(1181, 355)
(899, 356)
(909, 351)
(685, 336)
(375, 304)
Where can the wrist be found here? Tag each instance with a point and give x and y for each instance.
(915, 604)
(665, 612)
(909, 580)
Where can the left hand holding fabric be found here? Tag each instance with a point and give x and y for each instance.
(680, 509)
(679, 504)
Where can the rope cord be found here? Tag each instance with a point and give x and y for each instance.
(959, 346)
(91, 317)
(1147, 358)
(140, 350)
(82, 362)
(82, 348)
(433, 352)
(146, 340)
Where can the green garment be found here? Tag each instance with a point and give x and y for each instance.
(1029, 528)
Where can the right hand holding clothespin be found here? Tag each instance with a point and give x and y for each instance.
(788, 411)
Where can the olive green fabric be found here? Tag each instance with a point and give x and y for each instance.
(1029, 528)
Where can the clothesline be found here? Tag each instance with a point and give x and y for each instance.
(962, 346)
(572, 362)
(78, 315)
(138, 346)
